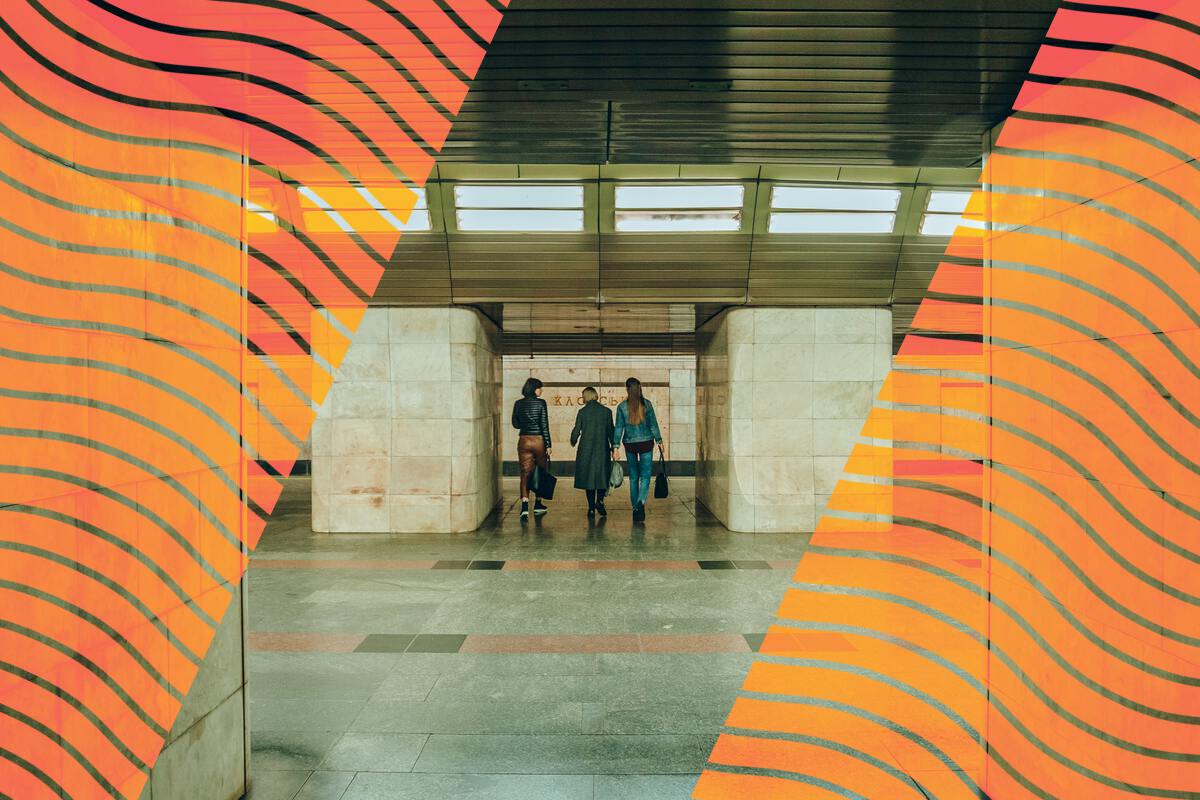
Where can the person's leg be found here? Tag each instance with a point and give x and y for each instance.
(525, 463)
(591, 498)
(600, 495)
(645, 467)
(537, 446)
(631, 466)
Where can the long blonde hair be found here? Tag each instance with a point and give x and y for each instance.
(636, 406)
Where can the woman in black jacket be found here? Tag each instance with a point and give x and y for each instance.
(532, 421)
(592, 433)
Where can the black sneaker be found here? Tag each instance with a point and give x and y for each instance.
(641, 512)
(524, 509)
(539, 509)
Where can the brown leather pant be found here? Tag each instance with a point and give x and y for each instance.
(530, 450)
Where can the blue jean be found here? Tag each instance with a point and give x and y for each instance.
(641, 465)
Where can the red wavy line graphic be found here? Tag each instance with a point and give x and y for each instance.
(1003, 598)
(176, 291)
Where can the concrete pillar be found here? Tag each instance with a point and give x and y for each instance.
(782, 394)
(406, 439)
(205, 753)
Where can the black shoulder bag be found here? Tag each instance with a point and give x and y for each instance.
(660, 480)
(542, 481)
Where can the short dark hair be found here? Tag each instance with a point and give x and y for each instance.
(530, 387)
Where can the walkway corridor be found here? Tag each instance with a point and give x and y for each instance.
(547, 660)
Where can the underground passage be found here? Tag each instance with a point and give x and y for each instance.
(582, 400)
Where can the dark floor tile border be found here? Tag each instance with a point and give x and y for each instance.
(524, 644)
(385, 643)
(616, 643)
(436, 643)
(523, 564)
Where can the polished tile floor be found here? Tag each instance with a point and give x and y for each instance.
(544, 660)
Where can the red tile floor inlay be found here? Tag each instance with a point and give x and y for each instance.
(337, 563)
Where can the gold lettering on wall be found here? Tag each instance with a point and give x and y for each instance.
(565, 378)
(572, 400)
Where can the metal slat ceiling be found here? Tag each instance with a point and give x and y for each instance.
(912, 82)
(600, 266)
(754, 90)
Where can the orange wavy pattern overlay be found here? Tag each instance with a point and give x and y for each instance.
(1003, 599)
(191, 229)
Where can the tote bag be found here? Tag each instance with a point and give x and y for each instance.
(660, 481)
(542, 482)
(616, 476)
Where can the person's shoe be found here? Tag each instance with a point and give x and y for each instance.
(642, 513)
(601, 510)
(539, 509)
(524, 509)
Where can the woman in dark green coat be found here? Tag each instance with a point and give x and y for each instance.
(592, 433)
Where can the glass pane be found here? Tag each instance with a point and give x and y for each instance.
(519, 196)
(363, 221)
(821, 198)
(258, 210)
(948, 202)
(349, 198)
(260, 220)
(312, 197)
(818, 222)
(417, 221)
(391, 198)
(519, 220)
(324, 221)
(944, 224)
(681, 196)
(667, 221)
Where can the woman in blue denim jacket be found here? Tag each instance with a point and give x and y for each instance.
(637, 429)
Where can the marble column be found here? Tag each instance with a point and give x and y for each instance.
(205, 753)
(406, 439)
(782, 394)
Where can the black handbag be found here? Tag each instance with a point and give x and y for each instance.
(660, 480)
(542, 481)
